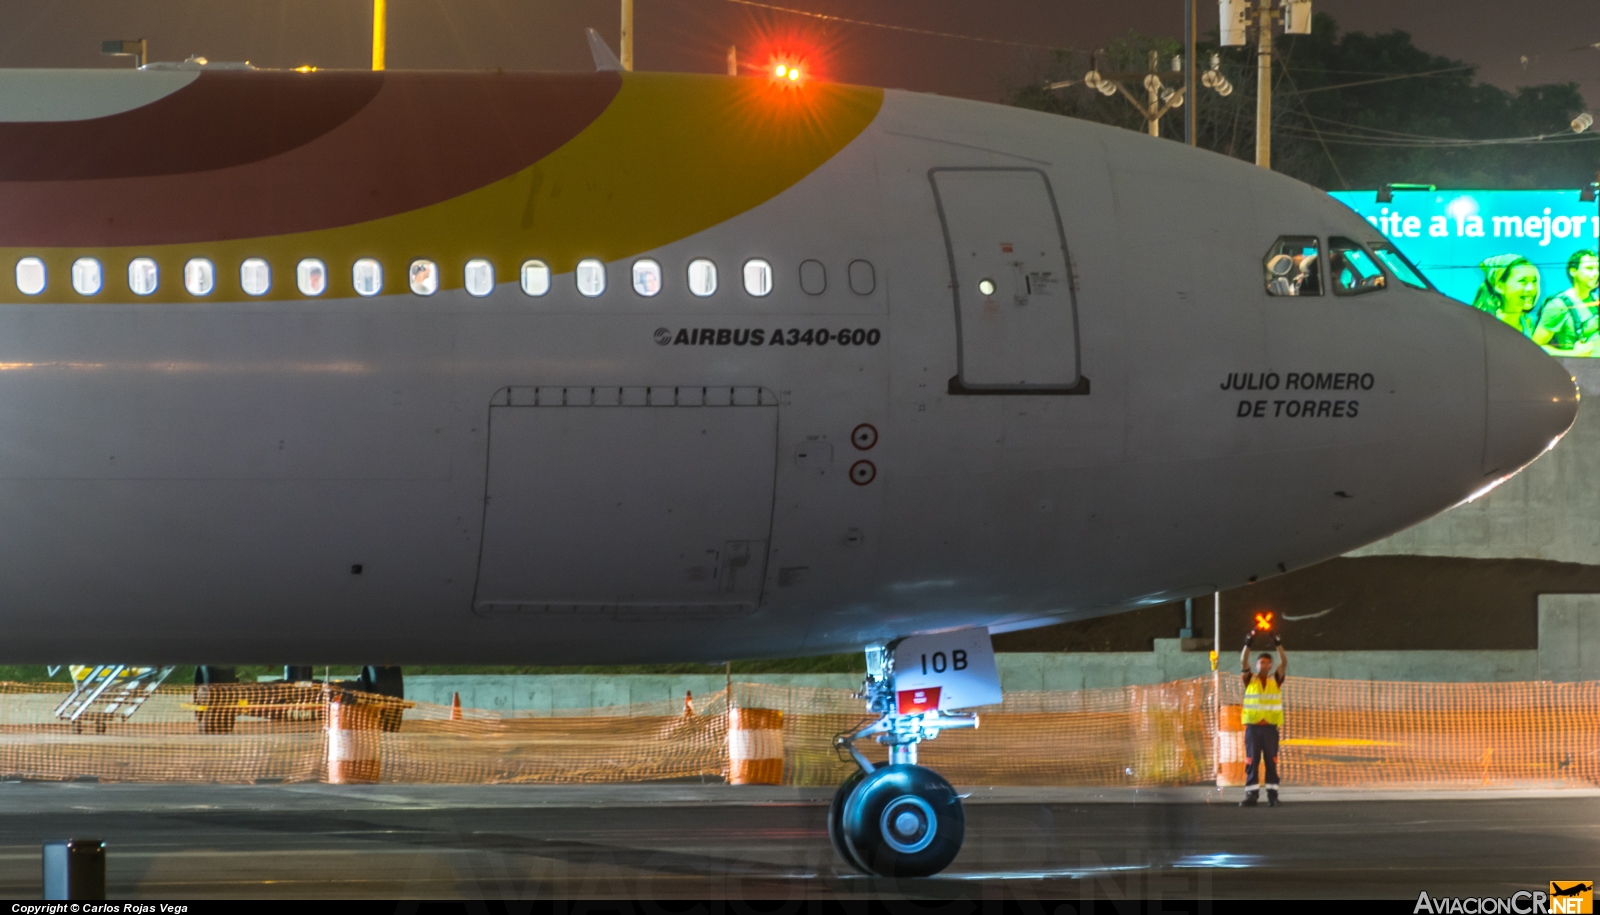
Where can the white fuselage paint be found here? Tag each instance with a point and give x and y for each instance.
(194, 483)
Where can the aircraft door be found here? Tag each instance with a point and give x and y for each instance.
(1016, 316)
(628, 503)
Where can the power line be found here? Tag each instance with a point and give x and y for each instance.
(898, 28)
(1386, 79)
(1351, 139)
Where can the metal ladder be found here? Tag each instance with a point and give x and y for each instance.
(118, 689)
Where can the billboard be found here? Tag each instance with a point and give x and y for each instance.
(1526, 256)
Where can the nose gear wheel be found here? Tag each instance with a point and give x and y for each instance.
(903, 821)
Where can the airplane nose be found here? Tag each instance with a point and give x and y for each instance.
(1532, 399)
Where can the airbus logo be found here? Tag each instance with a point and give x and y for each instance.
(777, 336)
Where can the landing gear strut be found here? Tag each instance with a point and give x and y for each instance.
(900, 819)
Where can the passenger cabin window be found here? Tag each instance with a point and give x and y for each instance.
(478, 277)
(311, 277)
(367, 276)
(813, 277)
(1402, 269)
(87, 277)
(424, 276)
(199, 276)
(535, 277)
(702, 277)
(863, 279)
(757, 277)
(646, 277)
(30, 276)
(143, 276)
(591, 277)
(1294, 266)
(1353, 269)
(255, 277)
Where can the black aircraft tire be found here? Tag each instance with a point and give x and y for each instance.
(836, 820)
(904, 821)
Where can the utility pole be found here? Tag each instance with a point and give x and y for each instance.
(1160, 99)
(1152, 90)
(1263, 84)
(627, 35)
(1236, 16)
(380, 32)
(1190, 29)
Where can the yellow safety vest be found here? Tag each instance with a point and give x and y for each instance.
(1263, 702)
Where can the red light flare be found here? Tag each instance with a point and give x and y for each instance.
(785, 53)
(1264, 621)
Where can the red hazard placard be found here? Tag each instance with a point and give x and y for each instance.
(913, 701)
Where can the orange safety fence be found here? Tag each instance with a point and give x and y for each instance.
(1337, 732)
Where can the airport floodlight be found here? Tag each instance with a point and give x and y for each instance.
(135, 48)
(1582, 122)
(1297, 17)
(1234, 19)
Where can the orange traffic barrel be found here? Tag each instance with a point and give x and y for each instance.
(1230, 747)
(353, 741)
(755, 746)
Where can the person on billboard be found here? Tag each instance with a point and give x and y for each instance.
(1569, 320)
(1510, 290)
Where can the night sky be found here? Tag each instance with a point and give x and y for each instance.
(693, 35)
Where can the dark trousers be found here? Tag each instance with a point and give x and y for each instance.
(1261, 742)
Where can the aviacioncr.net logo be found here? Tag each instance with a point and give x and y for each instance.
(1566, 897)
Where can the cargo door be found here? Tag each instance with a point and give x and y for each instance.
(1016, 317)
(628, 502)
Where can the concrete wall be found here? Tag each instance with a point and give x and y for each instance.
(543, 695)
(1551, 510)
(1569, 649)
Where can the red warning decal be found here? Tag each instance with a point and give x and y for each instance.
(913, 701)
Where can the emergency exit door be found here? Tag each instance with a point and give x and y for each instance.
(1016, 317)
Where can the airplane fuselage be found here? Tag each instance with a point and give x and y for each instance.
(847, 439)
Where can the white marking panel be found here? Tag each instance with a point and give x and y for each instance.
(959, 665)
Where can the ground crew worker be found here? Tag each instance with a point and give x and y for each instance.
(1262, 717)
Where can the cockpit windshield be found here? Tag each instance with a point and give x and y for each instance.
(1403, 270)
(1353, 269)
(1293, 266)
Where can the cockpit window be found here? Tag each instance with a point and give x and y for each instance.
(1353, 269)
(1403, 270)
(1294, 266)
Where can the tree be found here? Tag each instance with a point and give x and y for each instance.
(1341, 118)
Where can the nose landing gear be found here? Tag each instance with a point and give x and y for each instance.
(900, 819)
